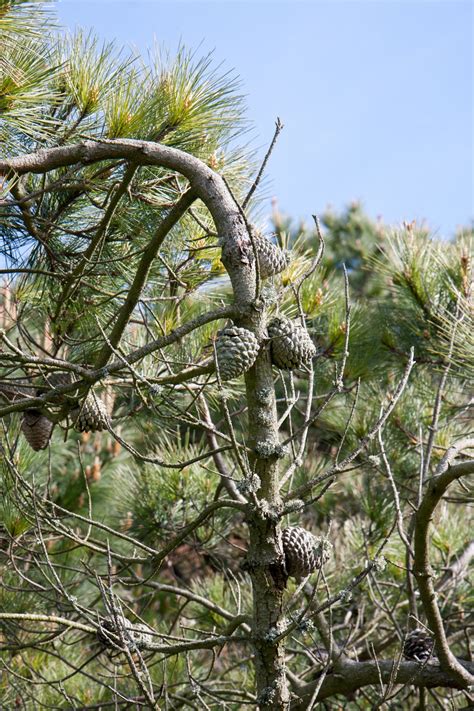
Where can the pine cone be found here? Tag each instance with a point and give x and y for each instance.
(237, 349)
(271, 259)
(304, 553)
(291, 345)
(418, 645)
(135, 634)
(91, 415)
(37, 429)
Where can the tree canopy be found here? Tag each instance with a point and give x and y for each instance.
(235, 453)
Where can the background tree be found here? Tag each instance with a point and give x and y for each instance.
(225, 481)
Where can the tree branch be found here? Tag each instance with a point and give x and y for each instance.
(141, 275)
(350, 676)
(207, 184)
(305, 489)
(92, 376)
(447, 472)
(47, 618)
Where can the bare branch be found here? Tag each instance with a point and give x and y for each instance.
(349, 676)
(278, 128)
(340, 466)
(447, 472)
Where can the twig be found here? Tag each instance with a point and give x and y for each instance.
(278, 128)
(340, 466)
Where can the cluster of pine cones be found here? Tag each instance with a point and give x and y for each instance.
(237, 348)
(291, 346)
(90, 415)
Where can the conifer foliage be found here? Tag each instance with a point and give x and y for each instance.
(234, 464)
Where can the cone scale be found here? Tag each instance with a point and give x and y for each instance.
(418, 645)
(37, 429)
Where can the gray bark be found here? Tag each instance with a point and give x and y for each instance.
(350, 676)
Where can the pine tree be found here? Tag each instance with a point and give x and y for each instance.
(246, 485)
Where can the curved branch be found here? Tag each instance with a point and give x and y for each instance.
(78, 270)
(208, 185)
(47, 618)
(190, 373)
(189, 595)
(447, 472)
(162, 462)
(455, 573)
(186, 530)
(184, 646)
(240, 263)
(141, 275)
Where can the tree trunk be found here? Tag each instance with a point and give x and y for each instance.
(265, 557)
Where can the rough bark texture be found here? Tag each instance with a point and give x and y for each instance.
(265, 556)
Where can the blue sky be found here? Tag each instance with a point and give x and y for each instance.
(376, 96)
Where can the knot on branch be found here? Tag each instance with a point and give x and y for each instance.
(345, 595)
(293, 506)
(263, 395)
(264, 417)
(306, 626)
(263, 560)
(267, 696)
(379, 564)
(249, 485)
(238, 249)
(268, 511)
(268, 449)
(276, 631)
(260, 303)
